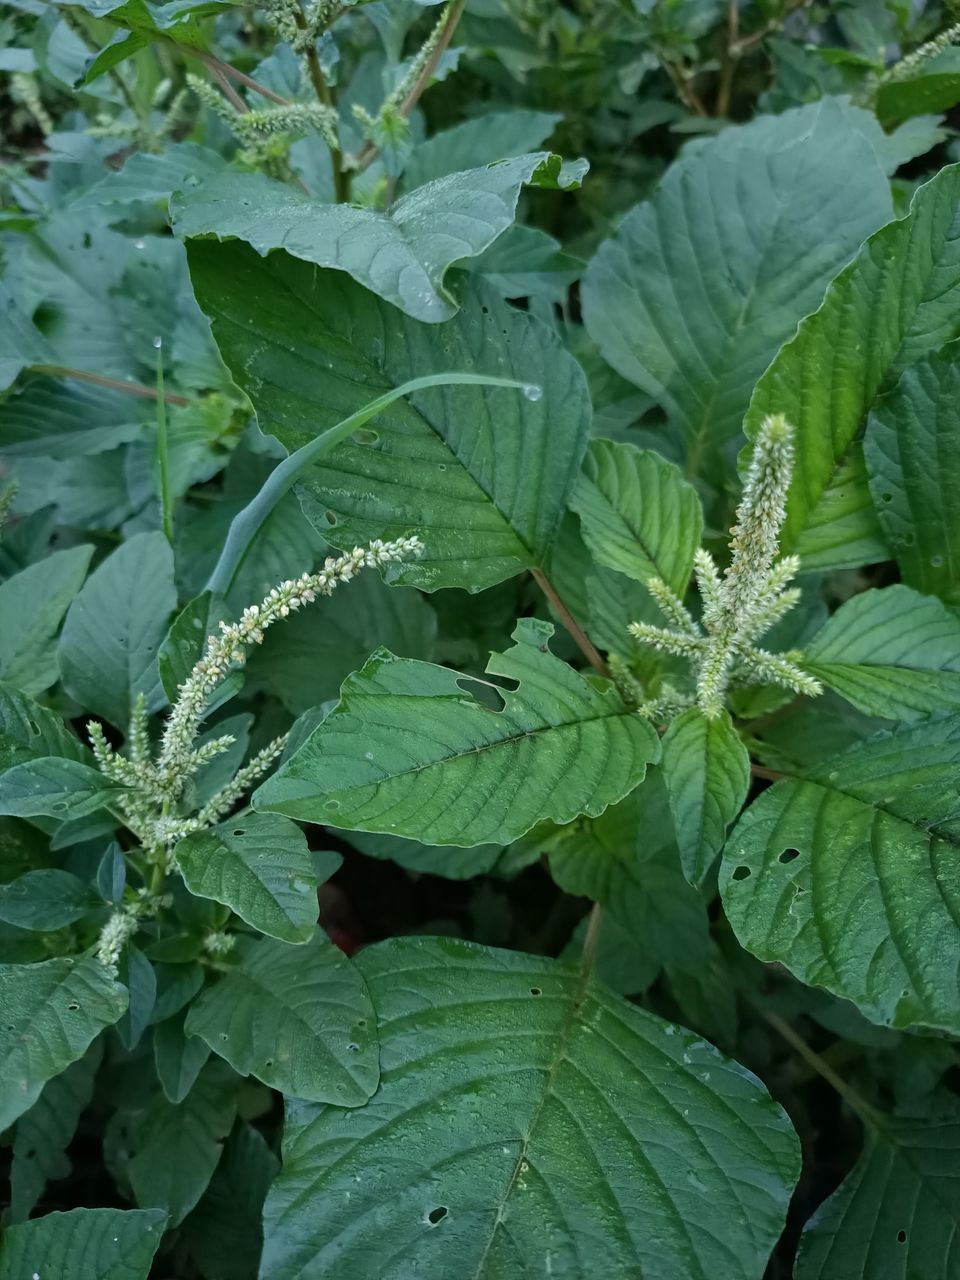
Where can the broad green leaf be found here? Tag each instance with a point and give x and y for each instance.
(628, 861)
(297, 1018)
(912, 454)
(403, 256)
(692, 297)
(637, 513)
(55, 787)
(707, 771)
(891, 652)
(32, 605)
(144, 21)
(304, 662)
(67, 420)
(532, 1125)
(45, 1131)
(136, 973)
(145, 176)
(177, 1147)
(109, 643)
(51, 1013)
(897, 1213)
(525, 263)
(894, 303)
(847, 875)
(179, 1058)
(23, 343)
(30, 732)
(408, 751)
(46, 900)
(933, 87)
(259, 866)
(481, 140)
(83, 1244)
(453, 464)
(225, 1230)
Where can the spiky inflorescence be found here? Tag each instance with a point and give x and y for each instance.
(748, 599)
(913, 61)
(154, 787)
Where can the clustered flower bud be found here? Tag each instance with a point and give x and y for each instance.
(746, 601)
(151, 789)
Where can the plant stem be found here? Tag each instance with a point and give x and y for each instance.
(368, 152)
(853, 1100)
(341, 178)
(580, 637)
(684, 88)
(747, 42)
(115, 384)
(163, 458)
(229, 92)
(228, 71)
(761, 771)
(729, 60)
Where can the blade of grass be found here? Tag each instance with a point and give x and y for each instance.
(248, 522)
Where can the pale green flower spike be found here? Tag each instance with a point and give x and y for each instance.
(154, 787)
(744, 603)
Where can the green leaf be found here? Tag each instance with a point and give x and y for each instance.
(407, 751)
(84, 1244)
(185, 643)
(259, 866)
(45, 1131)
(225, 1231)
(452, 464)
(891, 652)
(23, 344)
(692, 297)
(45, 900)
(403, 256)
(477, 141)
(847, 875)
(896, 1212)
(32, 605)
(912, 454)
(51, 1013)
(179, 1146)
(297, 1018)
(31, 732)
(145, 176)
(179, 1058)
(136, 973)
(54, 787)
(934, 87)
(637, 513)
(707, 771)
(897, 300)
(108, 649)
(491, 1140)
(628, 861)
(304, 662)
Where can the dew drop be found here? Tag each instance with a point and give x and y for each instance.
(532, 391)
(139, 244)
(158, 342)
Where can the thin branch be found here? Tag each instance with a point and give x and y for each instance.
(684, 88)
(850, 1096)
(580, 637)
(369, 151)
(341, 179)
(768, 775)
(114, 384)
(728, 63)
(229, 92)
(227, 71)
(747, 42)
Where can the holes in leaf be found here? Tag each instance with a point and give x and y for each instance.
(901, 1237)
(239, 831)
(361, 1022)
(268, 1063)
(437, 1215)
(536, 991)
(330, 517)
(886, 497)
(73, 1006)
(788, 855)
(353, 1047)
(741, 873)
(34, 728)
(487, 695)
(363, 435)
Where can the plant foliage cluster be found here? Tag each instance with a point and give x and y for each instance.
(480, 639)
